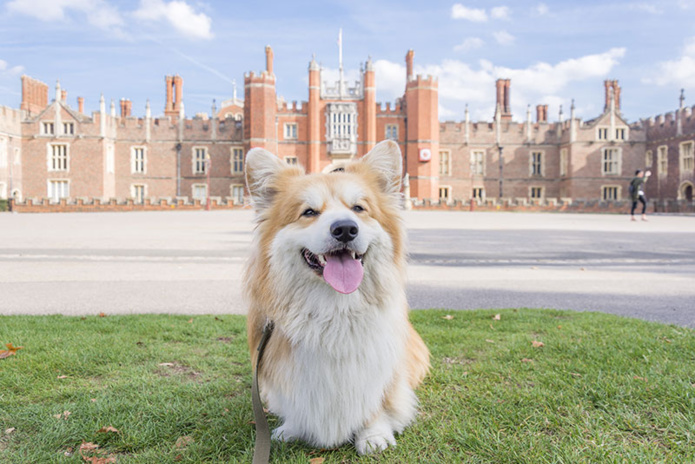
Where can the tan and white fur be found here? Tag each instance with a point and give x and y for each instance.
(342, 364)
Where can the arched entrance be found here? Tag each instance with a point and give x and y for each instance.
(685, 192)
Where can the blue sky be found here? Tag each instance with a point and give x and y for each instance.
(553, 52)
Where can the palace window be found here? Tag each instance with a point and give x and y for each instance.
(444, 163)
(137, 160)
(292, 160)
(602, 133)
(58, 189)
(479, 193)
(342, 128)
(564, 162)
(621, 133)
(290, 130)
(69, 128)
(609, 192)
(200, 192)
(478, 162)
(537, 164)
(610, 164)
(444, 193)
(47, 128)
(536, 192)
(662, 160)
(137, 192)
(238, 194)
(392, 131)
(648, 159)
(200, 160)
(237, 160)
(58, 157)
(687, 157)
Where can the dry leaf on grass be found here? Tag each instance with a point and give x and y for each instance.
(190, 321)
(102, 314)
(62, 377)
(90, 452)
(496, 317)
(537, 344)
(184, 441)
(526, 360)
(10, 351)
(64, 415)
(10, 430)
(316, 460)
(448, 317)
(636, 377)
(574, 374)
(166, 364)
(108, 429)
(490, 341)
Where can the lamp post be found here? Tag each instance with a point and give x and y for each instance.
(207, 189)
(501, 169)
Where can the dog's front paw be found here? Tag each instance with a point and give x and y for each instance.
(283, 433)
(374, 439)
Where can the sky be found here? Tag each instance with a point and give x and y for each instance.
(553, 52)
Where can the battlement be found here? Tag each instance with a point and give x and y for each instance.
(387, 109)
(294, 107)
(263, 78)
(421, 81)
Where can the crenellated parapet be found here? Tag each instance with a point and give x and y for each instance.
(423, 82)
(295, 107)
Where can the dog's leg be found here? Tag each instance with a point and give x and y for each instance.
(376, 437)
(284, 433)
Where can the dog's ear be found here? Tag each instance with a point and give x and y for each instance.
(385, 160)
(262, 168)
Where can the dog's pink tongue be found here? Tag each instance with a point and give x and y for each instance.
(343, 273)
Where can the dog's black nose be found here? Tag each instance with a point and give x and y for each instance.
(344, 230)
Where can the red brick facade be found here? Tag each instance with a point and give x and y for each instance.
(50, 150)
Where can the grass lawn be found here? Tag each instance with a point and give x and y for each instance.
(601, 389)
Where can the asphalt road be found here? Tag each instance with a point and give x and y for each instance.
(191, 262)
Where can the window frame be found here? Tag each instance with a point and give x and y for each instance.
(291, 130)
(618, 163)
(195, 161)
(447, 165)
(541, 163)
(237, 165)
(134, 162)
(51, 158)
(474, 162)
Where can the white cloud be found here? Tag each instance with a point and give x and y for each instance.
(471, 43)
(541, 9)
(503, 37)
(461, 83)
(459, 11)
(178, 14)
(646, 7)
(98, 12)
(680, 71)
(13, 71)
(500, 12)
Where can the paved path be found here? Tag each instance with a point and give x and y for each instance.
(190, 262)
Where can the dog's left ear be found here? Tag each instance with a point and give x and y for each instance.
(262, 168)
(385, 159)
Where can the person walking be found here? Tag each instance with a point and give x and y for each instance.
(637, 193)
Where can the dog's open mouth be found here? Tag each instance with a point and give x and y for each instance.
(341, 269)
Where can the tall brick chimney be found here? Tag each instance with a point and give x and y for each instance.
(80, 105)
(269, 59)
(34, 95)
(126, 107)
(541, 113)
(64, 95)
(174, 91)
(503, 98)
(409, 65)
(611, 84)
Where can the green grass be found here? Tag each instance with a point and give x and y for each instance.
(602, 389)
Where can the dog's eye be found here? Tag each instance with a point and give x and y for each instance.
(357, 209)
(310, 212)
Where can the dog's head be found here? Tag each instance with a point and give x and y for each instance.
(336, 228)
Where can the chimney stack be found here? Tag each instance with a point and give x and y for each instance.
(409, 65)
(126, 106)
(611, 84)
(269, 59)
(541, 113)
(64, 95)
(80, 105)
(503, 98)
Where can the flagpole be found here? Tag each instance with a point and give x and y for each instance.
(340, 60)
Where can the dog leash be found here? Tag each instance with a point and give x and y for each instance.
(261, 452)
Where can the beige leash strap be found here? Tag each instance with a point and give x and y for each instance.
(261, 452)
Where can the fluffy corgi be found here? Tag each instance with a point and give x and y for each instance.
(327, 267)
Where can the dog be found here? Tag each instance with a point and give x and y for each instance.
(328, 267)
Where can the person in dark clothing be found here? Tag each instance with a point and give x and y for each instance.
(637, 193)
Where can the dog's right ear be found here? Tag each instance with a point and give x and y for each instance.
(262, 167)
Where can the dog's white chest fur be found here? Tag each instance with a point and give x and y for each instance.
(338, 374)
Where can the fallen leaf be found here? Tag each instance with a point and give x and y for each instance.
(537, 344)
(190, 321)
(448, 317)
(102, 314)
(10, 351)
(636, 377)
(62, 377)
(90, 452)
(108, 429)
(178, 458)
(496, 317)
(184, 441)
(69, 452)
(93, 400)
(574, 374)
(316, 460)
(667, 340)
(559, 327)
(64, 415)
(10, 430)
(526, 360)
(166, 364)
(489, 341)
(86, 446)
